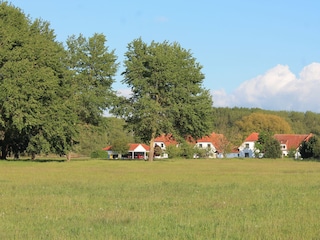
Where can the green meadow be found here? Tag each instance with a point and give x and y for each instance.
(174, 199)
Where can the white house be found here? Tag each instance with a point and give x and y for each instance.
(163, 142)
(135, 151)
(214, 145)
(291, 142)
(247, 148)
(288, 142)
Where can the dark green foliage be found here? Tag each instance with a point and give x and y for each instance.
(310, 149)
(117, 136)
(99, 154)
(93, 68)
(168, 97)
(173, 151)
(90, 138)
(120, 145)
(188, 150)
(157, 151)
(37, 114)
(268, 145)
(291, 153)
(272, 149)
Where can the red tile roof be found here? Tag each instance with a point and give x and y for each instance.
(292, 141)
(167, 139)
(253, 137)
(218, 140)
(108, 148)
(132, 147)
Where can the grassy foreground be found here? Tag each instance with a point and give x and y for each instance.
(180, 199)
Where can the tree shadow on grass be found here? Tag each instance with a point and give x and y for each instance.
(35, 160)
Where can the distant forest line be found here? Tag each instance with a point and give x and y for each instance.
(225, 121)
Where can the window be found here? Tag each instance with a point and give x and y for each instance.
(247, 145)
(200, 145)
(209, 145)
(162, 145)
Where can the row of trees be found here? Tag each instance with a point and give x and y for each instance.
(50, 94)
(52, 97)
(236, 123)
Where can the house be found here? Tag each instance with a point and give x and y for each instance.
(135, 151)
(214, 144)
(163, 142)
(247, 148)
(291, 142)
(288, 142)
(234, 153)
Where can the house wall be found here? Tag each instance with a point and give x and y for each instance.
(232, 155)
(162, 145)
(208, 146)
(247, 149)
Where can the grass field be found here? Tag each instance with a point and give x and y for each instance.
(176, 199)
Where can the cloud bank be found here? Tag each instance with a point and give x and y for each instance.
(277, 89)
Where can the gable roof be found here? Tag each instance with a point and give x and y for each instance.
(218, 141)
(167, 139)
(292, 141)
(108, 148)
(133, 147)
(253, 137)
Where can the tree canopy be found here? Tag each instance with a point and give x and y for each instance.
(93, 68)
(260, 122)
(167, 93)
(311, 148)
(268, 145)
(34, 90)
(47, 93)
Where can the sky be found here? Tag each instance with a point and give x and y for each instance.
(256, 54)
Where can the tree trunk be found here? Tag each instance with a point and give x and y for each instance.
(68, 157)
(151, 152)
(4, 152)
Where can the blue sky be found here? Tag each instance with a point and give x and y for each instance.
(254, 53)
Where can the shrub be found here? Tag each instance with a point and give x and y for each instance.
(310, 149)
(173, 151)
(99, 154)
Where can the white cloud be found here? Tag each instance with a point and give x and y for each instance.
(126, 92)
(277, 89)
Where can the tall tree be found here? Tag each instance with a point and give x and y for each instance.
(167, 93)
(93, 67)
(34, 87)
